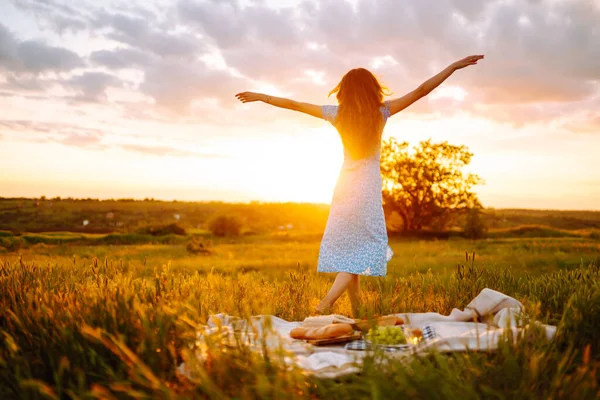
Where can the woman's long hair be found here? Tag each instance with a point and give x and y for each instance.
(359, 121)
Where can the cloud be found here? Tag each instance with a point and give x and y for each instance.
(47, 127)
(90, 138)
(229, 25)
(38, 57)
(33, 56)
(91, 86)
(57, 15)
(87, 139)
(175, 85)
(525, 42)
(586, 122)
(24, 83)
(121, 58)
(537, 52)
(167, 151)
(139, 33)
(67, 134)
(223, 21)
(469, 9)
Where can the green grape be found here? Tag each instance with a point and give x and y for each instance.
(389, 335)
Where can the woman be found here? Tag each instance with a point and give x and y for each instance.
(355, 241)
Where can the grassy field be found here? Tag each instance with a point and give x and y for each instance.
(127, 215)
(114, 321)
(274, 255)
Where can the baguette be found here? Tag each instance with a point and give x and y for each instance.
(324, 320)
(298, 333)
(326, 332)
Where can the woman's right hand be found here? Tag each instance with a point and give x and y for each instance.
(248, 97)
(465, 62)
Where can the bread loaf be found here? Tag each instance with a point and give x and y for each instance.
(326, 332)
(298, 333)
(324, 320)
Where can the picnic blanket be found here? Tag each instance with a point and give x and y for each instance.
(478, 327)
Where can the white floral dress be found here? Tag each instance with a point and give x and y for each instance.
(355, 238)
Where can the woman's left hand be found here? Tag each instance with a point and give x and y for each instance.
(247, 97)
(465, 62)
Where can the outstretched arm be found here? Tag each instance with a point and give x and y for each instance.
(426, 87)
(307, 108)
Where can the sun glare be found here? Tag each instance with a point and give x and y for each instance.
(451, 92)
(289, 168)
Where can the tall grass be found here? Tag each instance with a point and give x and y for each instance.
(104, 329)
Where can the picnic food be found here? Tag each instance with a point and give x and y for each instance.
(388, 320)
(323, 320)
(390, 335)
(325, 332)
(299, 333)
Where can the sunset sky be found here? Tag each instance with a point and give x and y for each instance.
(115, 99)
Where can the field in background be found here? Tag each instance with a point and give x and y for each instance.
(275, 255)
(110, 216)
(112, 314)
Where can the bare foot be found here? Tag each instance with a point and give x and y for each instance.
(321, 310)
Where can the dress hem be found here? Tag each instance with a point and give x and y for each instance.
(389, 254)
(353, 273)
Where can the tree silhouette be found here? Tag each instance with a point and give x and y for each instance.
(474, 227)
(427, 186)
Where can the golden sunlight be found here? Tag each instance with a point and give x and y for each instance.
(452, 92)
(303, 168)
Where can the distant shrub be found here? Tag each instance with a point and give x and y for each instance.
(169, 239)
(49, 239)
(125, 238)
(224, 225)
(475, 227)
(12, 243)
(195, 246)
(161, 230)
(531, 231)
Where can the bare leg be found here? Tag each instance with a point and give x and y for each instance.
(354, 293)
(342, 280)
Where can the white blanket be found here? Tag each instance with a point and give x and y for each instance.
(478, 327)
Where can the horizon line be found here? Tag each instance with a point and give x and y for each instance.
(149, 199)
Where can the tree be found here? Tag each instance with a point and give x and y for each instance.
(427, 186)
(475, 227)
(223, 225)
